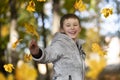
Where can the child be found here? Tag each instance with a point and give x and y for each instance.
(65, 51)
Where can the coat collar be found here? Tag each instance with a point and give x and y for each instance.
(63, 37)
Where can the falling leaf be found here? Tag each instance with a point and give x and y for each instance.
(41, 0)
(31, 30)
(96, 48)
(4, 31)
(14, 45)
(95, 67)
(107, 12)
(79, 5)
(27, 57)
(31, 6)
(8, 67)
(25, 71)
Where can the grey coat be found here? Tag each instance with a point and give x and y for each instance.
(66, 56)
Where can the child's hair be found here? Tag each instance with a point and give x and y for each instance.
(67, 16)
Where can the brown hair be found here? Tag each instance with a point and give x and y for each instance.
(67, 16)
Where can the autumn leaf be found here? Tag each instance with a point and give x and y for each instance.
(79, 5)
(95, 67)
(25, 71)
(31, 6)
(14, 45)
(4, 31)
(8, 67)
(27, 57)
(96, 48)
(31, 30)
(107, 12)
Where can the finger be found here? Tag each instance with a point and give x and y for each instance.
(33, 44)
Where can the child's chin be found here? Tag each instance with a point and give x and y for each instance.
(73, 37)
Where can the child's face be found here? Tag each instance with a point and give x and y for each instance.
(71, 27)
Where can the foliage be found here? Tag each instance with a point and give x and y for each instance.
(4, 7)
(29, 71)
(96, 48)
(69, 7)
(95, 67)
(92, 36)
(2, 77)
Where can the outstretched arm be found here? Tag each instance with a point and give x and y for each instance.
(50, 54)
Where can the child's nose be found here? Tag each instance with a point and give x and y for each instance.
(72, 27)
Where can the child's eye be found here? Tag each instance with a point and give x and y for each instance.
(68, 25)
(75, 25)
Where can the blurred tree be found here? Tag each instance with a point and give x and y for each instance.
(92, 36)
(56, 16)
(3, 36)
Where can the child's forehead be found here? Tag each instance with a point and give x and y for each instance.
(71, 19)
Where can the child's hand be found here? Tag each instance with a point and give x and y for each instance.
(34, 49)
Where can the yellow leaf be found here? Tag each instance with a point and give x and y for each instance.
(101, 53)
(79, 5)
(4, 31)
(25, 71)
(14, 45)
(31, 6)
(27, 57)
(107, 12)
(95, 67)
(31, 30)
(96, 48)
(8, 67)
(2, 76)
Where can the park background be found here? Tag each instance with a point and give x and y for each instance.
(41, 18)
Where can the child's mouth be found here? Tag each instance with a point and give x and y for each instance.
(72, 33)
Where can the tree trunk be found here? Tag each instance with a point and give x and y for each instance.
(56, 16)
(12, 58)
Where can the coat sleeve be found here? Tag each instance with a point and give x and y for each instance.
(51, 53)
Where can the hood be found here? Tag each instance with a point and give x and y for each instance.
(64, 38)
